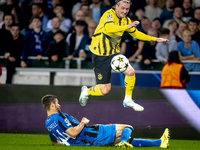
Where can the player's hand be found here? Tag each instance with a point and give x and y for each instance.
(133, 24)
(165, 41)
(85, 120)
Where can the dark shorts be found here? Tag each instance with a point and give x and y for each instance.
(102, 68)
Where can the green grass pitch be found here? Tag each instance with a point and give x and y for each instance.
(10, 141)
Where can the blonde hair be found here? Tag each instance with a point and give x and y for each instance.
(187, 32)
(119, 1)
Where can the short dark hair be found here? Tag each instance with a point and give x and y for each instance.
(34, 17)
(8, 14)
(164, 31)
(173, 57)
(59, 32)
(38, 5)
(157, 19)
(14, 25)
(47, 100)
(194, 20)
(81, 22)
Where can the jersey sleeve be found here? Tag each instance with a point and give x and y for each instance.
(139, 35)
(109, 23)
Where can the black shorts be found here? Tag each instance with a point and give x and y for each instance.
(102, 68)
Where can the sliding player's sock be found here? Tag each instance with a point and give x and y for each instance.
(145, 143)
(126, 133)
(129, 82)
(94, 91)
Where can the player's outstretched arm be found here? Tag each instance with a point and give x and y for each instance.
(74, 131)
(162, 40)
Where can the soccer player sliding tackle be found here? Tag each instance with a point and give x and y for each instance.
(105, 45)
(64, 129)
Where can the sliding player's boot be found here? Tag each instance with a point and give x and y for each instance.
(124, 145)
(165, 139)
(130, 103)
(83, 96)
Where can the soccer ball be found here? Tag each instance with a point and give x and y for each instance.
(119, 63)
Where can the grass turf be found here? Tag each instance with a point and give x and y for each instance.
(10, 141)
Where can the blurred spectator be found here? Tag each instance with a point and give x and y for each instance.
(195, 3)
(188, 12)
(174, 74)
(197, 15)
(146, 24)
(50, 8)
(37, 10)
(5, 35)
(77, 7)
(148, 51)
(168, 12)
(14, 52)
(17, 13)
(177, 15)
(65, 22)
(179, 32)
(161, 4)
(189, 50)
(152, 11)
(96, 10)
(8, 5)
(58, 48)
(74, 39)
(0, 72)
(139, 13)
(56, 27)
(105, 5)
(79, 16)
(84, 51)
(156, 24)
(173, 26)
(193, 26)
(163, 50)
(36, 42)
(86, 11)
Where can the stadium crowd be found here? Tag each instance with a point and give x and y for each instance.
(62, 28)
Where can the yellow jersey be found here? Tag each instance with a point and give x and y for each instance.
(107, 36)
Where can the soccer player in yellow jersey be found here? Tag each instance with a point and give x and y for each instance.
(105, 45)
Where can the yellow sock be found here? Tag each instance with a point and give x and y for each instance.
(94, 91)
(129, 83)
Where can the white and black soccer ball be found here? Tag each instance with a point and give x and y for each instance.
(119, 63)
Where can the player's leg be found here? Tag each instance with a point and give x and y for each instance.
(102, 70)
(123, 134)
(129, 86)
(163, 142)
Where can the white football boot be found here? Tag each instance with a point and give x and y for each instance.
(128, 102)
(83, 96)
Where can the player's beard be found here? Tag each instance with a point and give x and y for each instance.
(58, 109)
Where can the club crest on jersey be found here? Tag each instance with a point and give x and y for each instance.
(100, 76)
(109, 18)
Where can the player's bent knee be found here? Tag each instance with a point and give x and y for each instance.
(105, 88)
(130, 71)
